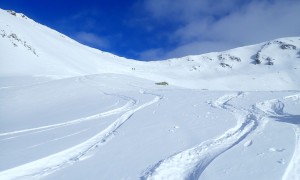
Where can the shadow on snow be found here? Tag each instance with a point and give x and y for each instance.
(291, 119)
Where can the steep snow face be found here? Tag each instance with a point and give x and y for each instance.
(31, 52)
(31, 49)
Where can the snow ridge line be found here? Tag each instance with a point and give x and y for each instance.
(190, 163)
(47, 165)
(127, 106)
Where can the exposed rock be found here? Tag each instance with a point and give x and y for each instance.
(225, 65)
(206, 58)
(12, 12)
(269, 61)
(223, 57)
(15, 40)
(162, 83)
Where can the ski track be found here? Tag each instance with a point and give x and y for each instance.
(130, 103)
(295, 97)
(56, 139)
(47, 165)
(292, 172)
(189, 164)
(273, 109)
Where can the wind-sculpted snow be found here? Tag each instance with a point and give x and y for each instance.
(272, 107)
(55, 162)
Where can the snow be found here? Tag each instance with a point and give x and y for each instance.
(293, 169)
(42, 53)
(68, 111)
(248, 143)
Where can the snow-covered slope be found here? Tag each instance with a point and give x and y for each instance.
(31, 50)
(118, 127)
(71, 112)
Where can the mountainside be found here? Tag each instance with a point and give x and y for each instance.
(71, 112)
(34, 51)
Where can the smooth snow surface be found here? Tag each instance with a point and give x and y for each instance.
(71, 112)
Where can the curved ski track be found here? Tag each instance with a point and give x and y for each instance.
(189, 164)
(47, 165)
(292, 171)
(131, 102)
(274, 109)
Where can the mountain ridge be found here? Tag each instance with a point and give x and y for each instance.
(46, 54)
(69, 111)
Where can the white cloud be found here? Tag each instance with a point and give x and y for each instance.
(152, 54)
(258, 22)
(188, 9)
(207, 26)
(92, 39)
(193, 48)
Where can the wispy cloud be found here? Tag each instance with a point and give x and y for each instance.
(84, 27)
(92, 39)
(205, 25)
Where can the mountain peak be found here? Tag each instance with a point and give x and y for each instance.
(33, 50)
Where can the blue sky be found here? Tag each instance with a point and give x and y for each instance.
(160, 29)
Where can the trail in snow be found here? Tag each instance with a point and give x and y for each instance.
(274, 109)
(292, 171)
(52, 163)
(190, 163)
(56, 139)
(131, 102)
(295, 97)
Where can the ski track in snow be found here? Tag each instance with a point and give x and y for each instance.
(56, 139)
(295, 97)
(190, 163)
(47, 165)
(130, 103)
(273, 109)
(127, 106)
(292, 171)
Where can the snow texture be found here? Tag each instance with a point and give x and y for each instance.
(69, 111)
